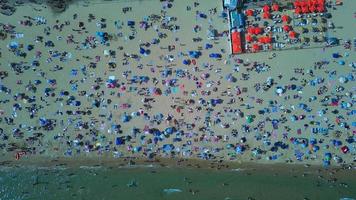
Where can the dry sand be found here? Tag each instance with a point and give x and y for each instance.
(283, 64)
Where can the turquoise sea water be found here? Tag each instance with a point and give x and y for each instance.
(168, 183)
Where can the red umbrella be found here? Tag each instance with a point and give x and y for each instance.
(266, 15)
(305, 9)
(321, 9)
(257, 30)
(287, 28)
(256, 47)
(303, 3)
(298, 10)
(265, 8)
(249, 38)
(292, 34)
(285, 18)
(275, 7)
(251, 30)
(312, 8)
(261, 40)
(296, 4)
(268, 40)
(249, 12)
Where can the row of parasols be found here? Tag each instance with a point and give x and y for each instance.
(309, 6)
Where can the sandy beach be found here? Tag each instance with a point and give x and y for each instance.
(96, 84)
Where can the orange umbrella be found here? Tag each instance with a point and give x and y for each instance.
(292, 34)
(266, 15)
(287, 28)
(249, 12)
(249, 38)
(275, 7)
(285, 18)
(266, 8)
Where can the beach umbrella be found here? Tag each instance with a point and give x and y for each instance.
(344, 149)
(305, 9)
(261, 39)
(257, 30)
(256, 47)
(298, 10)
(125, 118)
(341, 62)
(249, 119)
(169, 130)
(266, 15)
(321, 9)
(142, 50)
(292, 34)
(296, 4)
(285, 18)
(249, 38)
(342, 79)
(268, 40)
(266, 8)
(249, 12)
(336, 55)
(275, 7)
(287, 28)
(167, 147)
(251, 30)
(303, 3)
(119, 141)
(312, 8)
(186, 62)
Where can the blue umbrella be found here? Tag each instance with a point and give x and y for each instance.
(169, 130)
(215, 55)
(208, 46)
(341, 62)
(186, 62)
(119, 141)
(142, 50)
(336, 55)
(167, 147)
(125, 118)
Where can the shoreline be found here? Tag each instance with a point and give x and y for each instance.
(135, 162)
